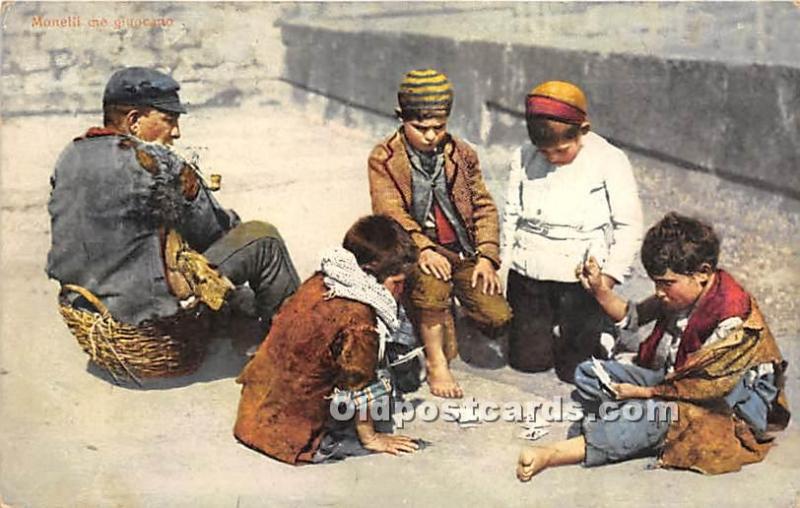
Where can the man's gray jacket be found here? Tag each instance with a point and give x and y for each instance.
(110, 197)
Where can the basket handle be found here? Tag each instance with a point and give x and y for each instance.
(88, 295)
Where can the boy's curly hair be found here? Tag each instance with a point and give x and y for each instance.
(681, 244)
(381, 246)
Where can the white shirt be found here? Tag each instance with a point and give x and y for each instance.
(556, 215)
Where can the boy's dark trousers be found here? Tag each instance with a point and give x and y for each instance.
(540, 306)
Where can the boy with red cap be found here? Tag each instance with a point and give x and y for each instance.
(430, 182)
(571, 195)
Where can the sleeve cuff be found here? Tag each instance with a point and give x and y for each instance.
(494, 262)
(490, 251)
(422, 241)
(630, 323)
(616, 271)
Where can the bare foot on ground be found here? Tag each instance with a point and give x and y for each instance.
(531, 461)
(442, 383)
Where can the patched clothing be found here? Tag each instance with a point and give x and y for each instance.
(106, 209)
(315, 344)
(113, 200)
(725, 394)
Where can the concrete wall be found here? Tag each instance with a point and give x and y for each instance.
(738, 120)
(57, 57)
(717, 114)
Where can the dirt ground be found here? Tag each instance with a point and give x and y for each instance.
(69, 437)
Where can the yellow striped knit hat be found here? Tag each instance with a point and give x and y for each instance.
(425, 89)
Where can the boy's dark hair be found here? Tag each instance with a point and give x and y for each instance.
(381, 246)
(541, 132)
(681, 244)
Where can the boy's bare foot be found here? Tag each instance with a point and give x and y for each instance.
(440, 379)
(531, 461)
(442, 383)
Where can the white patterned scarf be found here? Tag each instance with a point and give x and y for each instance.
(344, 278)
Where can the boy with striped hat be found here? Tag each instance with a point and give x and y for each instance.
(571, 196)
(430, 182)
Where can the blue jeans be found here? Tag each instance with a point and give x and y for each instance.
(620, 430)
(623, 438)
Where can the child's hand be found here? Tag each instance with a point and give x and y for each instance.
(433, 263)
(592, 278)
(394, 444)
(485, 273)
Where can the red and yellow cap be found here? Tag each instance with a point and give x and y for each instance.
(558, 100)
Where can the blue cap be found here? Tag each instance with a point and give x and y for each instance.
(140, 86)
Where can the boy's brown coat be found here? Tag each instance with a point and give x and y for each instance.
(315, 343)
(390, 189)
(707, 437)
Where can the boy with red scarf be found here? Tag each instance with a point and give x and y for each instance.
(430, 182)
(710, 355)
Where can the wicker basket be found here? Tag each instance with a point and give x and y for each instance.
(168, 347)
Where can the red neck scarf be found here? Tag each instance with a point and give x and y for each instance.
(96, 132)
(445, 234)
(724, 300)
